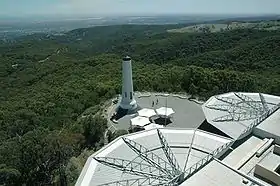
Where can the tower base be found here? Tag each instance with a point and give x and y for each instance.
(121, 112)
(132, 105)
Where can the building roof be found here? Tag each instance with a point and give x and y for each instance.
(146, 112)
(242, 161)
(156, 156)
(203, 143)
(271, 161)
(233, 112)
(268, 168)
(246, 149)
(214, 174)
(140, 121)
(270, 127)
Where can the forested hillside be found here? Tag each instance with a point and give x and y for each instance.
(48, 82)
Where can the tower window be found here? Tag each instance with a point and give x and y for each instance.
(125, 94)
(130, 95)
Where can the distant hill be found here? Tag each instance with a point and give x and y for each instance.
(218, 27)
(11, 27)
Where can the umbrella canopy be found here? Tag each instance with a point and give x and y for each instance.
(165, 111)
(153, 126)
(140, 121)
(146, 112)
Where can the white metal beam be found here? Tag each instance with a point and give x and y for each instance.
(168, 153)
(150, 157)
(140, 170)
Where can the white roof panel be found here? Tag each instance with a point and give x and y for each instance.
(95, 173)
(146, 112)
(165, 111)
(214, 174)
(140, 121)
(153, 126)
(232, 112)
(241, 151)
(271, 125)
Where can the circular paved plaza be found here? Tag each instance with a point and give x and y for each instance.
(188, 114)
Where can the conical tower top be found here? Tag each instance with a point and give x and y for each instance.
(127, 58)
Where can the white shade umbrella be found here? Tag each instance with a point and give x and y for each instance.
(146, 112)
(153, 126)
(165, 111)
(140, 121)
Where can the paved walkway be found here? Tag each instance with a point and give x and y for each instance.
(188, 114)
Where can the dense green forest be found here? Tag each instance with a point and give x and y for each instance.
(47, 82)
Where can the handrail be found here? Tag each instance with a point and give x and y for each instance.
(204, 160)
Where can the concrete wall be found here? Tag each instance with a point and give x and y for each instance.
(276, 150)
(263, 134)
(267, 174)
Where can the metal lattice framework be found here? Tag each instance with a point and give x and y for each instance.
(150, 168)
(136, 182)
(134, 168)
(240, 108)
(144, 182)
(151, 158)
(265, 106)
(169, 154)
(249, 101)
(189, 151)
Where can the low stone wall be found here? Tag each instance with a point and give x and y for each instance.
(197, 101)
(164, 94)
(144, 96)
(180, 96)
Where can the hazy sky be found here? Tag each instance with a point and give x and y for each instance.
(81, 7)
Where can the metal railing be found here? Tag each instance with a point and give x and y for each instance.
(135, 182)
(191, 170)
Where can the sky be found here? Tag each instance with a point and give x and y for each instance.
(106, 7)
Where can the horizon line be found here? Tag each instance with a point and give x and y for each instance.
(139, 14)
